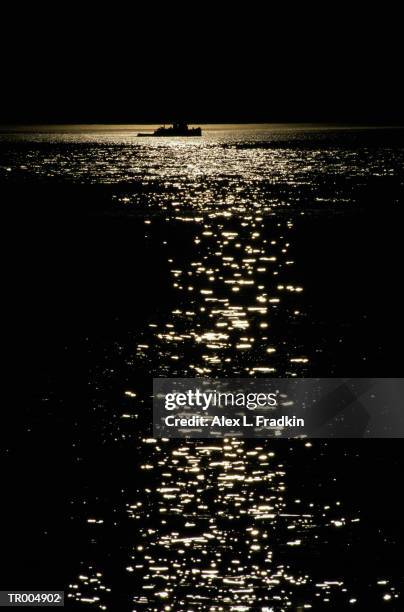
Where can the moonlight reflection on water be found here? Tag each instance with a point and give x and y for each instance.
(239, 524)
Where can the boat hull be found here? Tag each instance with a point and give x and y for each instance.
(167, 135)
(167, 132)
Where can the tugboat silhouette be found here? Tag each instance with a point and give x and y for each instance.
(180, 128)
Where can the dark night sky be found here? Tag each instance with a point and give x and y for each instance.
(247, 66)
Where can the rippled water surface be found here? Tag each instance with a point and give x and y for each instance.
(249, 252)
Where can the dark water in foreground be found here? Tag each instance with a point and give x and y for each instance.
(245, 253)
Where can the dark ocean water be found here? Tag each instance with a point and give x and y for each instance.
(249, 252)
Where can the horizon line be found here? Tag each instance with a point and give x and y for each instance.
(7, 127)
